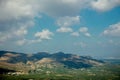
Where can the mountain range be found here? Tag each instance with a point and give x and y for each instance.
(25, 62)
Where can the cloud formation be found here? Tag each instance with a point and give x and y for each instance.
(17, 16)
(113, 30)
(15, 19)
(104, 5)
(65, 23)
(61, 8)
(15, 32)
(84, 31)
(44, 34)
(14, 9)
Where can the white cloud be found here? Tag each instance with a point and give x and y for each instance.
(84, 31)
(113, 30)
(104, 5)
(64, 29)
(75, 34)
(15, 19)
(45, 34)
(17, 15)
(14, 9)
(87, 34)
(65, 23)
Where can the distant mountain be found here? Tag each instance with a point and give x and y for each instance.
(30, 61)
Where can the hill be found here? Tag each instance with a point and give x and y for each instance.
(26, 62)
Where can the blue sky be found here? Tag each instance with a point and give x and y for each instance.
(89, 27)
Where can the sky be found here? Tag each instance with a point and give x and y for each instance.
(83, 27)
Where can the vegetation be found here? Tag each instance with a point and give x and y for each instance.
(106, 72)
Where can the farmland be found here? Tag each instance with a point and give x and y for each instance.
(106, 72)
